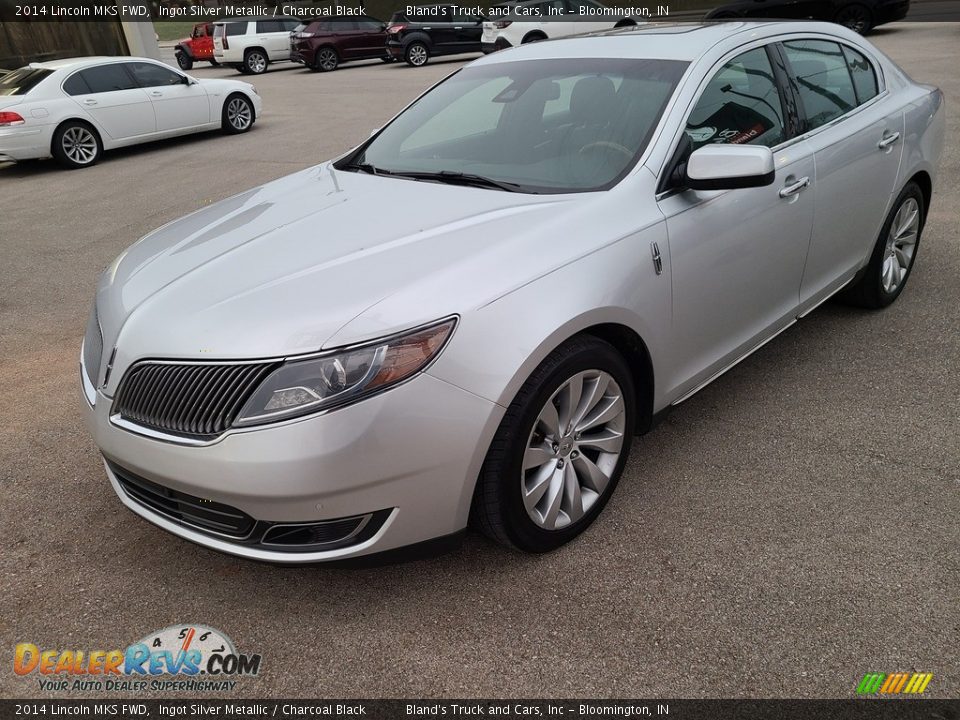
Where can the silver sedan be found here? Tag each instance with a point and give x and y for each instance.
(467, 319)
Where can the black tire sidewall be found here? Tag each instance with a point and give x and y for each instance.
(520, 529)
(184, 62)
(875, 268)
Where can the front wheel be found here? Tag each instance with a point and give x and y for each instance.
(215, 63)
(417, 54)
(894, 254)
(238, 115)
(560, 450)
(183, 60)
(76, 145)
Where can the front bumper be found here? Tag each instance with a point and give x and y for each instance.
(411, 453)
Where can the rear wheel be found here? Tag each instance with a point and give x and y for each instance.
(326, 60)
(255, 61)
(417, 54)
(76, 145)
(856, 17)
(183, 60)
(560, 449)
(238, 115)
(894, 254)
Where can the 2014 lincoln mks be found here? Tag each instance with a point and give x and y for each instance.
(467, 318)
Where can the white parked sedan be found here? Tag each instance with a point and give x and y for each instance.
(75, 109)
(470, 315)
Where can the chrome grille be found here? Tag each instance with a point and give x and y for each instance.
(92, 347)
(189, 399)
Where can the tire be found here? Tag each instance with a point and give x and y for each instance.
(533, 37)
(76, 145)
(237, 115)
(856, 17)
(255, 61)
(894, 254)
(499, 507)
(326, 60)
(417, 54)
(215, 63)
(183, 60)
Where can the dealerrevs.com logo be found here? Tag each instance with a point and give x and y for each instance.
(185, 657)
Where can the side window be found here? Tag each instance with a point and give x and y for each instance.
(236, 28)
(863, 74)
(369, 24)
(823, 81)
(269, 26)
(290, 25)
(76, 85)
(741, 104)
(108, 78)
(150, 75)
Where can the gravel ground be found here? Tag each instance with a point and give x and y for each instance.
(788, 529)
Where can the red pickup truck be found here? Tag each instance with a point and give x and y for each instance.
(197, 47)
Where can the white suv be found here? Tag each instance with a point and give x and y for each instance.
(250, 44)
(531, 20)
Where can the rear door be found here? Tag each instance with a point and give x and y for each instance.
(373, 37)
(112, 98)
(856, 133)
(274, 37)
(177, 105)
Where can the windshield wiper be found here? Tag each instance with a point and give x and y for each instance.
(453, 177)
(364, 167)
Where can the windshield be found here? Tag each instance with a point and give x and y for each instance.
(22, 81)
(543, 126)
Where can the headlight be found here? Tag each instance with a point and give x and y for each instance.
(299, 387)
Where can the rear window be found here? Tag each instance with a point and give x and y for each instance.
(22, 81)
(76, 85)
(863, 74)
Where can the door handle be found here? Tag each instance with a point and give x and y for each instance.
(888, 141)
(89, 101)
(458, 27)
(796, 187)
(156, 93)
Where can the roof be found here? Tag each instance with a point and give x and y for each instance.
(66, 63)
(663, 41)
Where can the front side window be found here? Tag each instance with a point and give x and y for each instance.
(108, 78)
(562, 125)
(863, 74)
(150, 75)
(741, 104)
(823, 81)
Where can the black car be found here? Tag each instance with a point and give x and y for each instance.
(858, 15)
(419, 33)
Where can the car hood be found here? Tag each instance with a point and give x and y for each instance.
(277, 270)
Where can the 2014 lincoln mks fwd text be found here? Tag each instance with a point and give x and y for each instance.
(469, 316)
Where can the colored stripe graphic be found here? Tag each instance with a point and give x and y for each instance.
(894, 683)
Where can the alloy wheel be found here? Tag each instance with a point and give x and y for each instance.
(418, 55)
(239, 114)
(256, 62)
(900, 246)
(79, 145)
(855, 18)
(327, 59)
(573, 449)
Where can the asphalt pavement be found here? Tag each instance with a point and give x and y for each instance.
(788, 529)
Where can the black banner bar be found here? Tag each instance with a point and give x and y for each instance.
(245, 709)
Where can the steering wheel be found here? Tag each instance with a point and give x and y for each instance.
(607, 145)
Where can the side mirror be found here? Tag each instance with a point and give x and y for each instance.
(726, 167)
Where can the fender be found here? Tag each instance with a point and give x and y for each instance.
(186, 49)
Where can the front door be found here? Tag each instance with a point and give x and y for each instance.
(737, 256)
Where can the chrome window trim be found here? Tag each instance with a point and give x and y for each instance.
(763, 42)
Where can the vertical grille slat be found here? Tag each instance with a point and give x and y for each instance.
(197, 400)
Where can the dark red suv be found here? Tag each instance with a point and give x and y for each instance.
(328, 41)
